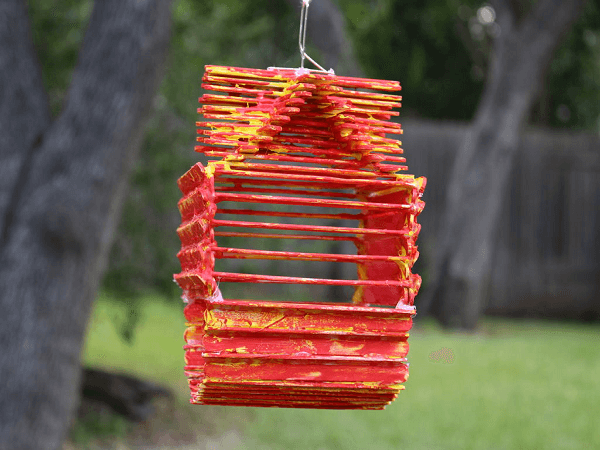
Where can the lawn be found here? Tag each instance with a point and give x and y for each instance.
(512, 385)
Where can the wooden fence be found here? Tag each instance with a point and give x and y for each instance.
(547, 258)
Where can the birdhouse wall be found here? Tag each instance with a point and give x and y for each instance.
(298, 159)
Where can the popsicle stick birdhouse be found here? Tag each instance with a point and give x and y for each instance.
(317, 148)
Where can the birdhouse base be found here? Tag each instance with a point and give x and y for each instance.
(301, 355)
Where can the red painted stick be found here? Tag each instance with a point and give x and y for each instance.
(296, 139)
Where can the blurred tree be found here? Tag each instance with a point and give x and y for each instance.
(529, 33)
(62, 184)
(228, 32)
(438, 49)
(428, 46)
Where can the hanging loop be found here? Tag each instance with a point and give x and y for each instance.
(302, 38)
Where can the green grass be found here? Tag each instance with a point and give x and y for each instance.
(98, 427)
(513, 385)
(517, 385)
(155, 352)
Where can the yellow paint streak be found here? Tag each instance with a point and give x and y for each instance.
(391, 190)
(343, 349)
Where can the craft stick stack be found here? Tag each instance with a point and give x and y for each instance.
(293, 154)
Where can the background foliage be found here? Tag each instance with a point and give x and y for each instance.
(438, 49)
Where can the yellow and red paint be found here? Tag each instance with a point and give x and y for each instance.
(300, 138)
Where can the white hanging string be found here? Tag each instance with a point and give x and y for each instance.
(302, 42)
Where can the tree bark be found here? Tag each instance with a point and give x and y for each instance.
(481, 171)
(326, 30)
(61, 189)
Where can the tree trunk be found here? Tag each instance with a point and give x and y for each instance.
(483, 165)
(61, 189)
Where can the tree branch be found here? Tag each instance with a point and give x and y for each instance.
(518, 8)
(505, 13)
(482, 167)
(546, 25)
(69, 204)
(24, 109)
(108, 99)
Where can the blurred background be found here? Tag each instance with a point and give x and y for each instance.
(546, 258)
(512, 382)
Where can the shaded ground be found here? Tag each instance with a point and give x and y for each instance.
(175, 425)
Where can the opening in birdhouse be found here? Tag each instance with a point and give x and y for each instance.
(304, 177)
